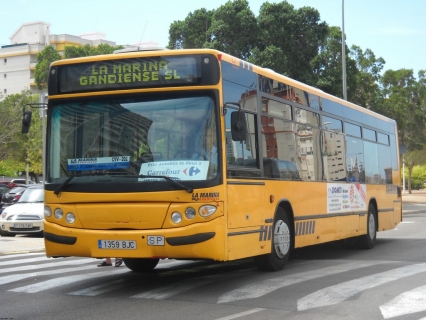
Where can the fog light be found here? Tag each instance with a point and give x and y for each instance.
(190, 213)
(206, 211)
(176, 217)
(58, 213)
(47, 212)
(70, 217)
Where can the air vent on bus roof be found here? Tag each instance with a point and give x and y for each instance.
(136, 49)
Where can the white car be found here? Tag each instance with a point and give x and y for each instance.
(25, 216)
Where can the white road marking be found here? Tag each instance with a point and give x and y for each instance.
(408, 302)
(241, 314)
(100, 289)
(16, 277)
(46, 265)
(172, 289)
(343, 291)
(29, 260)
(407, 221)
(256, 290)
(61, 281)
(8, 256)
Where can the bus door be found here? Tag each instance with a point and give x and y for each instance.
(245, 189)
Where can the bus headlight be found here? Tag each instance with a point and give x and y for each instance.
(190, 213)
(47, 212)
(70, 217)
(176, 217)
(206, 211)
(58, 213)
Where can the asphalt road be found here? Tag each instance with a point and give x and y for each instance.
(333, 281)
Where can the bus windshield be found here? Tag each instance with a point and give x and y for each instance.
(133, 140)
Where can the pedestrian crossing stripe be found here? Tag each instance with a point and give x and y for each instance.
(407, 302)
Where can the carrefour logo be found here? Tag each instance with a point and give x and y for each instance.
(191, 171)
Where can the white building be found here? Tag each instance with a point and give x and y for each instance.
(18, 60)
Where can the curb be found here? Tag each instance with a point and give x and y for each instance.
(413, 211)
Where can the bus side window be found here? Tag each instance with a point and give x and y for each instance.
(287, 170)
(241, 156)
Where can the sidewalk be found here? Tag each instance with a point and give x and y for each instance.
(25, 244)
(20, 244)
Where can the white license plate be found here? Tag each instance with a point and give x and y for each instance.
(156, 240)
(117, 244)
(23, 225)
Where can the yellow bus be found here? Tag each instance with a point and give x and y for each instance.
(195, 154)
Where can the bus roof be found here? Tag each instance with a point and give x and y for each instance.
(149, 52)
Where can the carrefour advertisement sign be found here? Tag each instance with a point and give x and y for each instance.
(346, 197)
(177, 170)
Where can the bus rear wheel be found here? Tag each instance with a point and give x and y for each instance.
(281, 245)
(140, 264)
(367, 241)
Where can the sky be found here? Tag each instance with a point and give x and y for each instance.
(394, 30)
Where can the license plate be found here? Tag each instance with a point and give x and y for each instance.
(117, 244)
(156, 240)
(23, 225)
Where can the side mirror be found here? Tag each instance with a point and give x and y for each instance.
(238, 126)
(26, 121)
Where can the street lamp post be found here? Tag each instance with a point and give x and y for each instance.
(343, 51)
(403, 174)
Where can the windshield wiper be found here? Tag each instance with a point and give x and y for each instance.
(174, 182)
(65, 183)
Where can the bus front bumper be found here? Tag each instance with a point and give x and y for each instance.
(199, 241)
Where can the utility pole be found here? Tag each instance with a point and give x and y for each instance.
(344, 51)
(43, 100)
(27, 170)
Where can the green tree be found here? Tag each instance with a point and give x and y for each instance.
(87, 50)
(298, 33)
(327, 66)
(233, 29)
(271, 57)
(49, 55)
(193, 32)
(412, 160)
(404, 101)
(44, 59)
(366, 90)
(16, 147)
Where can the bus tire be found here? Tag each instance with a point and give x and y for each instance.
(140, 264)
(367, 240)
(281, 244)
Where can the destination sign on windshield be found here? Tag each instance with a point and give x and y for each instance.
(132, 73)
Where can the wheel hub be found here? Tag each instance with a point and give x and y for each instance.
(281, 239)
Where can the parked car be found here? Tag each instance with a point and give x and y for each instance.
(17, 183)
(22, 181)
(12, 196)
(26, 216)
(3, 189)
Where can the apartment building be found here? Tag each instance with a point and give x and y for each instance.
(19, 58)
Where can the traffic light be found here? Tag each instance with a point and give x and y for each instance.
(26, 121)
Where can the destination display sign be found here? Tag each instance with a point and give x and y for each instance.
(130, 73)
(103, 163)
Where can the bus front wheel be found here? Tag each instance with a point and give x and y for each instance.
(140, 264)
(281, 245)
(366, 241)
